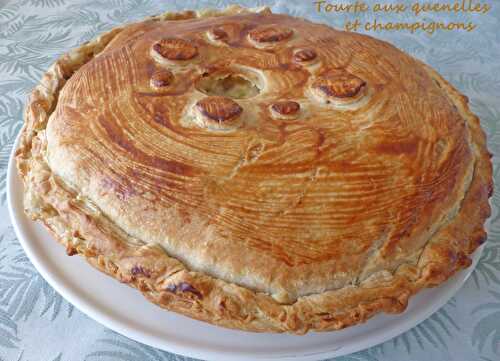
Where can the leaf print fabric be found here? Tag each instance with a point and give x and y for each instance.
(36, 323)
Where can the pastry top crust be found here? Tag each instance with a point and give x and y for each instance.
(334, 187)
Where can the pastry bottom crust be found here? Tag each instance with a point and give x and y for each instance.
(77, 224)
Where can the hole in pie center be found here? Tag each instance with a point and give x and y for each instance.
(234, 86)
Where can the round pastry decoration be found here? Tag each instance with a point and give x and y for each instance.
(257, 192)
(305, 55)
(175, 49)
(217, 111)
(338, 84)
(219, 108)
(286, 108)
(161, 78)
(270, 34)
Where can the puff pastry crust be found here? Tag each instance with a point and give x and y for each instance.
(348, 177)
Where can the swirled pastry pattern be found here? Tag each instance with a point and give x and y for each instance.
(334, 190)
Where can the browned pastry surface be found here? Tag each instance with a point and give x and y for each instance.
(257, 171)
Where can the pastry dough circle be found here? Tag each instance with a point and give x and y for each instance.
(315, 223)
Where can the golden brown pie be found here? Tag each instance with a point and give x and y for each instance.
(257, 171)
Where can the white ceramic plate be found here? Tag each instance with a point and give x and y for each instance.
(124, 310)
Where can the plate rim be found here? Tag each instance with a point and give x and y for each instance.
(182, 348)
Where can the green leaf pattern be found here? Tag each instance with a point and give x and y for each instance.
(33, 33)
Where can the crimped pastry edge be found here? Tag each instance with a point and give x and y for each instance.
(166, 282)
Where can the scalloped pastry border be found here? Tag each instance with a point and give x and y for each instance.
(168, 283)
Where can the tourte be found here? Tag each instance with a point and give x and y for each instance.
(256, 171)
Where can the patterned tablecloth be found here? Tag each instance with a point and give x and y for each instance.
(38, 324)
